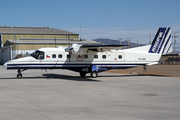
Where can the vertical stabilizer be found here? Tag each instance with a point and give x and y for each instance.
(162, 42)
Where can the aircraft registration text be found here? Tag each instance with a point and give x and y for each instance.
(141, 58)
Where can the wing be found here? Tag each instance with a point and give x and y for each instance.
(101, 48)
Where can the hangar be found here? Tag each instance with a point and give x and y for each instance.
(17, 33)
(19, 41)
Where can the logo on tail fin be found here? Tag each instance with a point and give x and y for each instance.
(157, 42)
(162, 42)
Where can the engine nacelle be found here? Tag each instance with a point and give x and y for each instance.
(76, 50)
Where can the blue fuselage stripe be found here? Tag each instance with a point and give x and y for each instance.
(66, 66)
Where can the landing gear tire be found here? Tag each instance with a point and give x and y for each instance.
(19, 76)
(82, 74)
(94, 74)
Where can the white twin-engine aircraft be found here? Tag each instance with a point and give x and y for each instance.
(95, 58)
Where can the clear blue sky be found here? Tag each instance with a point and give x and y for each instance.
(98, 18)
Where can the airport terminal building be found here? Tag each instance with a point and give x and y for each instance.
(18, 41)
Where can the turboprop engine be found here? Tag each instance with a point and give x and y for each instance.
(76, 49)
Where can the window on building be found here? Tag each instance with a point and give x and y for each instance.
(53, 55)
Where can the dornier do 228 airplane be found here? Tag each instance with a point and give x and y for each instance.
(95, 58)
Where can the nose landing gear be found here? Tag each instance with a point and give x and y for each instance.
(19, 75)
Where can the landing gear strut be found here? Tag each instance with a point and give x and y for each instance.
(94, 72)
(82, 74)
(145, 68)
(19, 75)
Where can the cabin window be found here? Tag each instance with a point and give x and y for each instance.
(104, 56)
(85, 56)
(60, 56)
(68, 56)
(53, 55)
(38, 54)
(120, 56)
(41, 55)
(96, 56)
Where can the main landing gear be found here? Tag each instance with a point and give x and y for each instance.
(82, 74)
(19, 75)
(94, 74)
(93, 71)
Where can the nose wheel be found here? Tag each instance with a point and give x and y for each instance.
(19, 76)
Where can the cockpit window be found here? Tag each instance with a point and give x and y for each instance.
(38, 54)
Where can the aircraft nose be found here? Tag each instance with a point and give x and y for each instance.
(5, 65)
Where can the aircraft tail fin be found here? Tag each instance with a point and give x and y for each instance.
(162, 42)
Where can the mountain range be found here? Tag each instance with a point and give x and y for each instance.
(105, 41)
(117, 42)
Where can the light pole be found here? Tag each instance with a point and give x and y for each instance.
(120, 40)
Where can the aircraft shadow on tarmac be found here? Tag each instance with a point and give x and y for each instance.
(68, 77)
(132, 75)
(78, 78)
(59, 76)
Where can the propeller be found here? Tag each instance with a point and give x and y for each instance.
(74, 49)
(70, 50)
